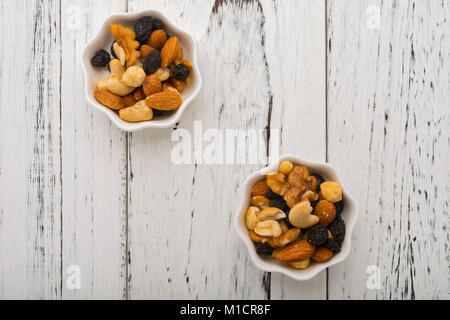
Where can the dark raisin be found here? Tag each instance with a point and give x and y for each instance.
(314, 203)
(157, 24)
(180, 72)
(113, 53)
(158, 113)
(143, 29)
(152, 62)
(332, 245)
(101, 59)
(264, 250)
(337, 229)
(319, 179)
(317, 235)
(272, 195)
(339, 207)
(280, 204)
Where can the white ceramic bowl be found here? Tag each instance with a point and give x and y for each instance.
(268, 264)
(104, 39)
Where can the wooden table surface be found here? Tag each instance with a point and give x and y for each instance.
(364, 85)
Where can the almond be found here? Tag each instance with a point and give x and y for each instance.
(260, 189)
(157, 39)
(166, 100)
(322, 254)
(151, 85)
(109, 99)
(169, 52)
(129, 100)
(300, 250)
(326, 212)
(138, 94)
(145, 50)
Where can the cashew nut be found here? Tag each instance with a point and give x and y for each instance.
(300, 215)
(116, 68)
(310, 195)
(269, 228)
(258, 239)
(117, 86)
(137, 113)
(134, 76)
(120, 53)
(251, 218)
(163, 74)
(287, 237)
(103, 84)
(300, 264)
(271, 214)
(260, 202)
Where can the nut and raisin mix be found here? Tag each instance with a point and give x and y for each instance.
(295, 217)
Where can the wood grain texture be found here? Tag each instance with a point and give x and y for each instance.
(388, 136)
(182, 244)
(30, 187)
(94, 168)
(296, 64)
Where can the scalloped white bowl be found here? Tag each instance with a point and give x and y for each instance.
(268, 264)
(104, 39)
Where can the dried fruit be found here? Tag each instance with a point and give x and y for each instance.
(179, 53)
(143, 28)
(100, 59)
(109, 99)
(260, 202)
(332, 245)
(317, 235)
(151, 85)
(157, 24)
(152, 62)
(322, 254)
(126, 38)
(277, 182)
(339, 207)
(157, 39)
(286, 237)
(300, 250)
(270, 214)
(272, 195)
(280, 204)
(138, 94)
(137, 113)
(129, 100)
(169, 52)
(268, 228)
(331, 191)
(264, 250)
(134, 77)
(301, 217)
(166, 100)
(260, 188)
(251, 218)
(337, 228)
(301, 265)
(286, 167)
(319, 179)
(180, 72)
(326, 212)
(177, 84)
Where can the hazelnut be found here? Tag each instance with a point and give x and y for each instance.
(134, 77)
(326, 212)
(286, 167)
(331, 191)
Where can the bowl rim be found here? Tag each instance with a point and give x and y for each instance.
(133, 127)
(269, 266)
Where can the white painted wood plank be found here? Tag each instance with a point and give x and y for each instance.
(94, 168)
(30, 188)
(389, 139)
(181, 240)
(295, 48)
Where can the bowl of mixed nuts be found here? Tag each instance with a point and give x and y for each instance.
(141, 70)
(296, 218)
